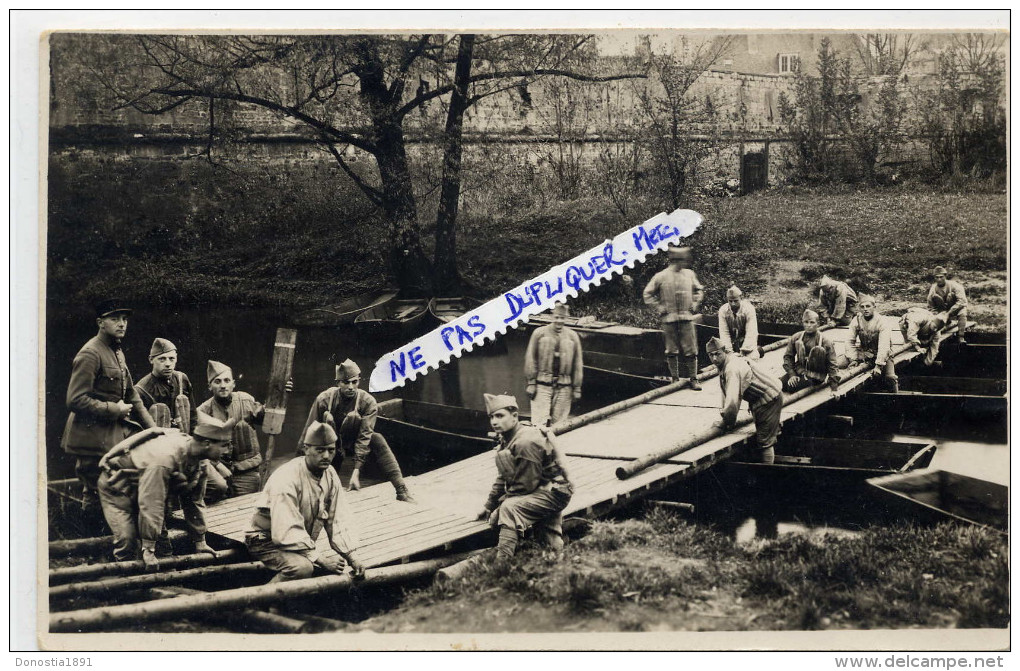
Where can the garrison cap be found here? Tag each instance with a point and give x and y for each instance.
(809, 313)
(111, 306)
(347, 370)
(942, 318)
(939, 270)
(678, 253)
(561, 309)
(734, 292)
(214, 369)
(161, 346)
(714, 345)
(866, 298)
(319, 434)
(494, 402)
(210, 428)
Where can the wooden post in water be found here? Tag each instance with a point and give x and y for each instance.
(276, 403)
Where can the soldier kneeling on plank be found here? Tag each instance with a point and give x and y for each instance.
(810, 357)
(950, 297)
(922, 329)
(744, 379)
(300, 499)
(838, 301)
(871, 342)
(531, 488)
(138, 474)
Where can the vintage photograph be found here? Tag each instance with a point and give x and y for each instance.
(720, 318)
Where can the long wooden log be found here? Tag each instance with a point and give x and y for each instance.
(249, 618)
(640, 464)
(60, 576)
(76, 546)
(601, 413)
(91, 619)
(160, 578)
(276, 403)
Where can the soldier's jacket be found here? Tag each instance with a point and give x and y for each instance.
(837, 299)
(675, 294)
(525, 461)
(99, 378)
(739, 332)
(352, 436)
(739, 379)
(795, 358)
(540, 359)
(870, 338)
(951, 298)
(245, 453)
(152, 389)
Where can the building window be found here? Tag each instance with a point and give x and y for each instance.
(789, 63)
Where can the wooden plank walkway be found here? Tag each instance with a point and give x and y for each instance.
(448, 498)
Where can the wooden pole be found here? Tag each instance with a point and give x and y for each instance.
(276, 403)
(60, 576)
(91, 619)
(601, 413)
(76, 546)
(248, 618)
(633, 467)
(159, 579)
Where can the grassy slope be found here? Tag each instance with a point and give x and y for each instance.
(662, 574)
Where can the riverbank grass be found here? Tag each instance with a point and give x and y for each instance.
(663, 573)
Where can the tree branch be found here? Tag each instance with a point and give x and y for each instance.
(322, 127)
(443, 90)
(372, 193)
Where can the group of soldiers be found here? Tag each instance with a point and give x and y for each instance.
(140, 447)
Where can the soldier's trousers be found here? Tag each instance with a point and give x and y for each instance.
(767, 426)
(86, 467)
(551, 402)
(288, 565)
(380, 455)
(541, 511)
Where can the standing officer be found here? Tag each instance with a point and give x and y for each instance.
(105, 408)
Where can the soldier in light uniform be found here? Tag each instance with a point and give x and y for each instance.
(838, 301)
(676, 294)
(553, 366)
(357, 411)
(922, 329)
(950, 297)
(738, 325)
(741, 379)
(810, 357)
(105, 408)
(300, 499)
(871, 342)
(139, 474)
(531, 488)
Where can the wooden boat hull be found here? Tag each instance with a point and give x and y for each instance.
(937, 495)
(344, 312)
(399, 318)
(809, 467)
(445, 310)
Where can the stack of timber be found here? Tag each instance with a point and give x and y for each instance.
(672, 423)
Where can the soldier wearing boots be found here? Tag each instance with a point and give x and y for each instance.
(140, 473)
(871, 342)
(245, 455)
(531, 488)
(810, 357)
(741, 379)
(355, 411)
(553, 366)
(738, 325)
(676, 295)
(950, 297)
(300, 499)
(105, 408)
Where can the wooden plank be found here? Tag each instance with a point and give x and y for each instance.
(280, 372)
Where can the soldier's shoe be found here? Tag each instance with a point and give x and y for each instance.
(404, 495)
(694, 384)
(164, 548)
(960, 340)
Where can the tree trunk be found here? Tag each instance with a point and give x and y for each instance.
(447, 278)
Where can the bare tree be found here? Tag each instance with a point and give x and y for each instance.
(353, 94)
(885, 53)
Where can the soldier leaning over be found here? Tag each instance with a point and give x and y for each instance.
(838, 301)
